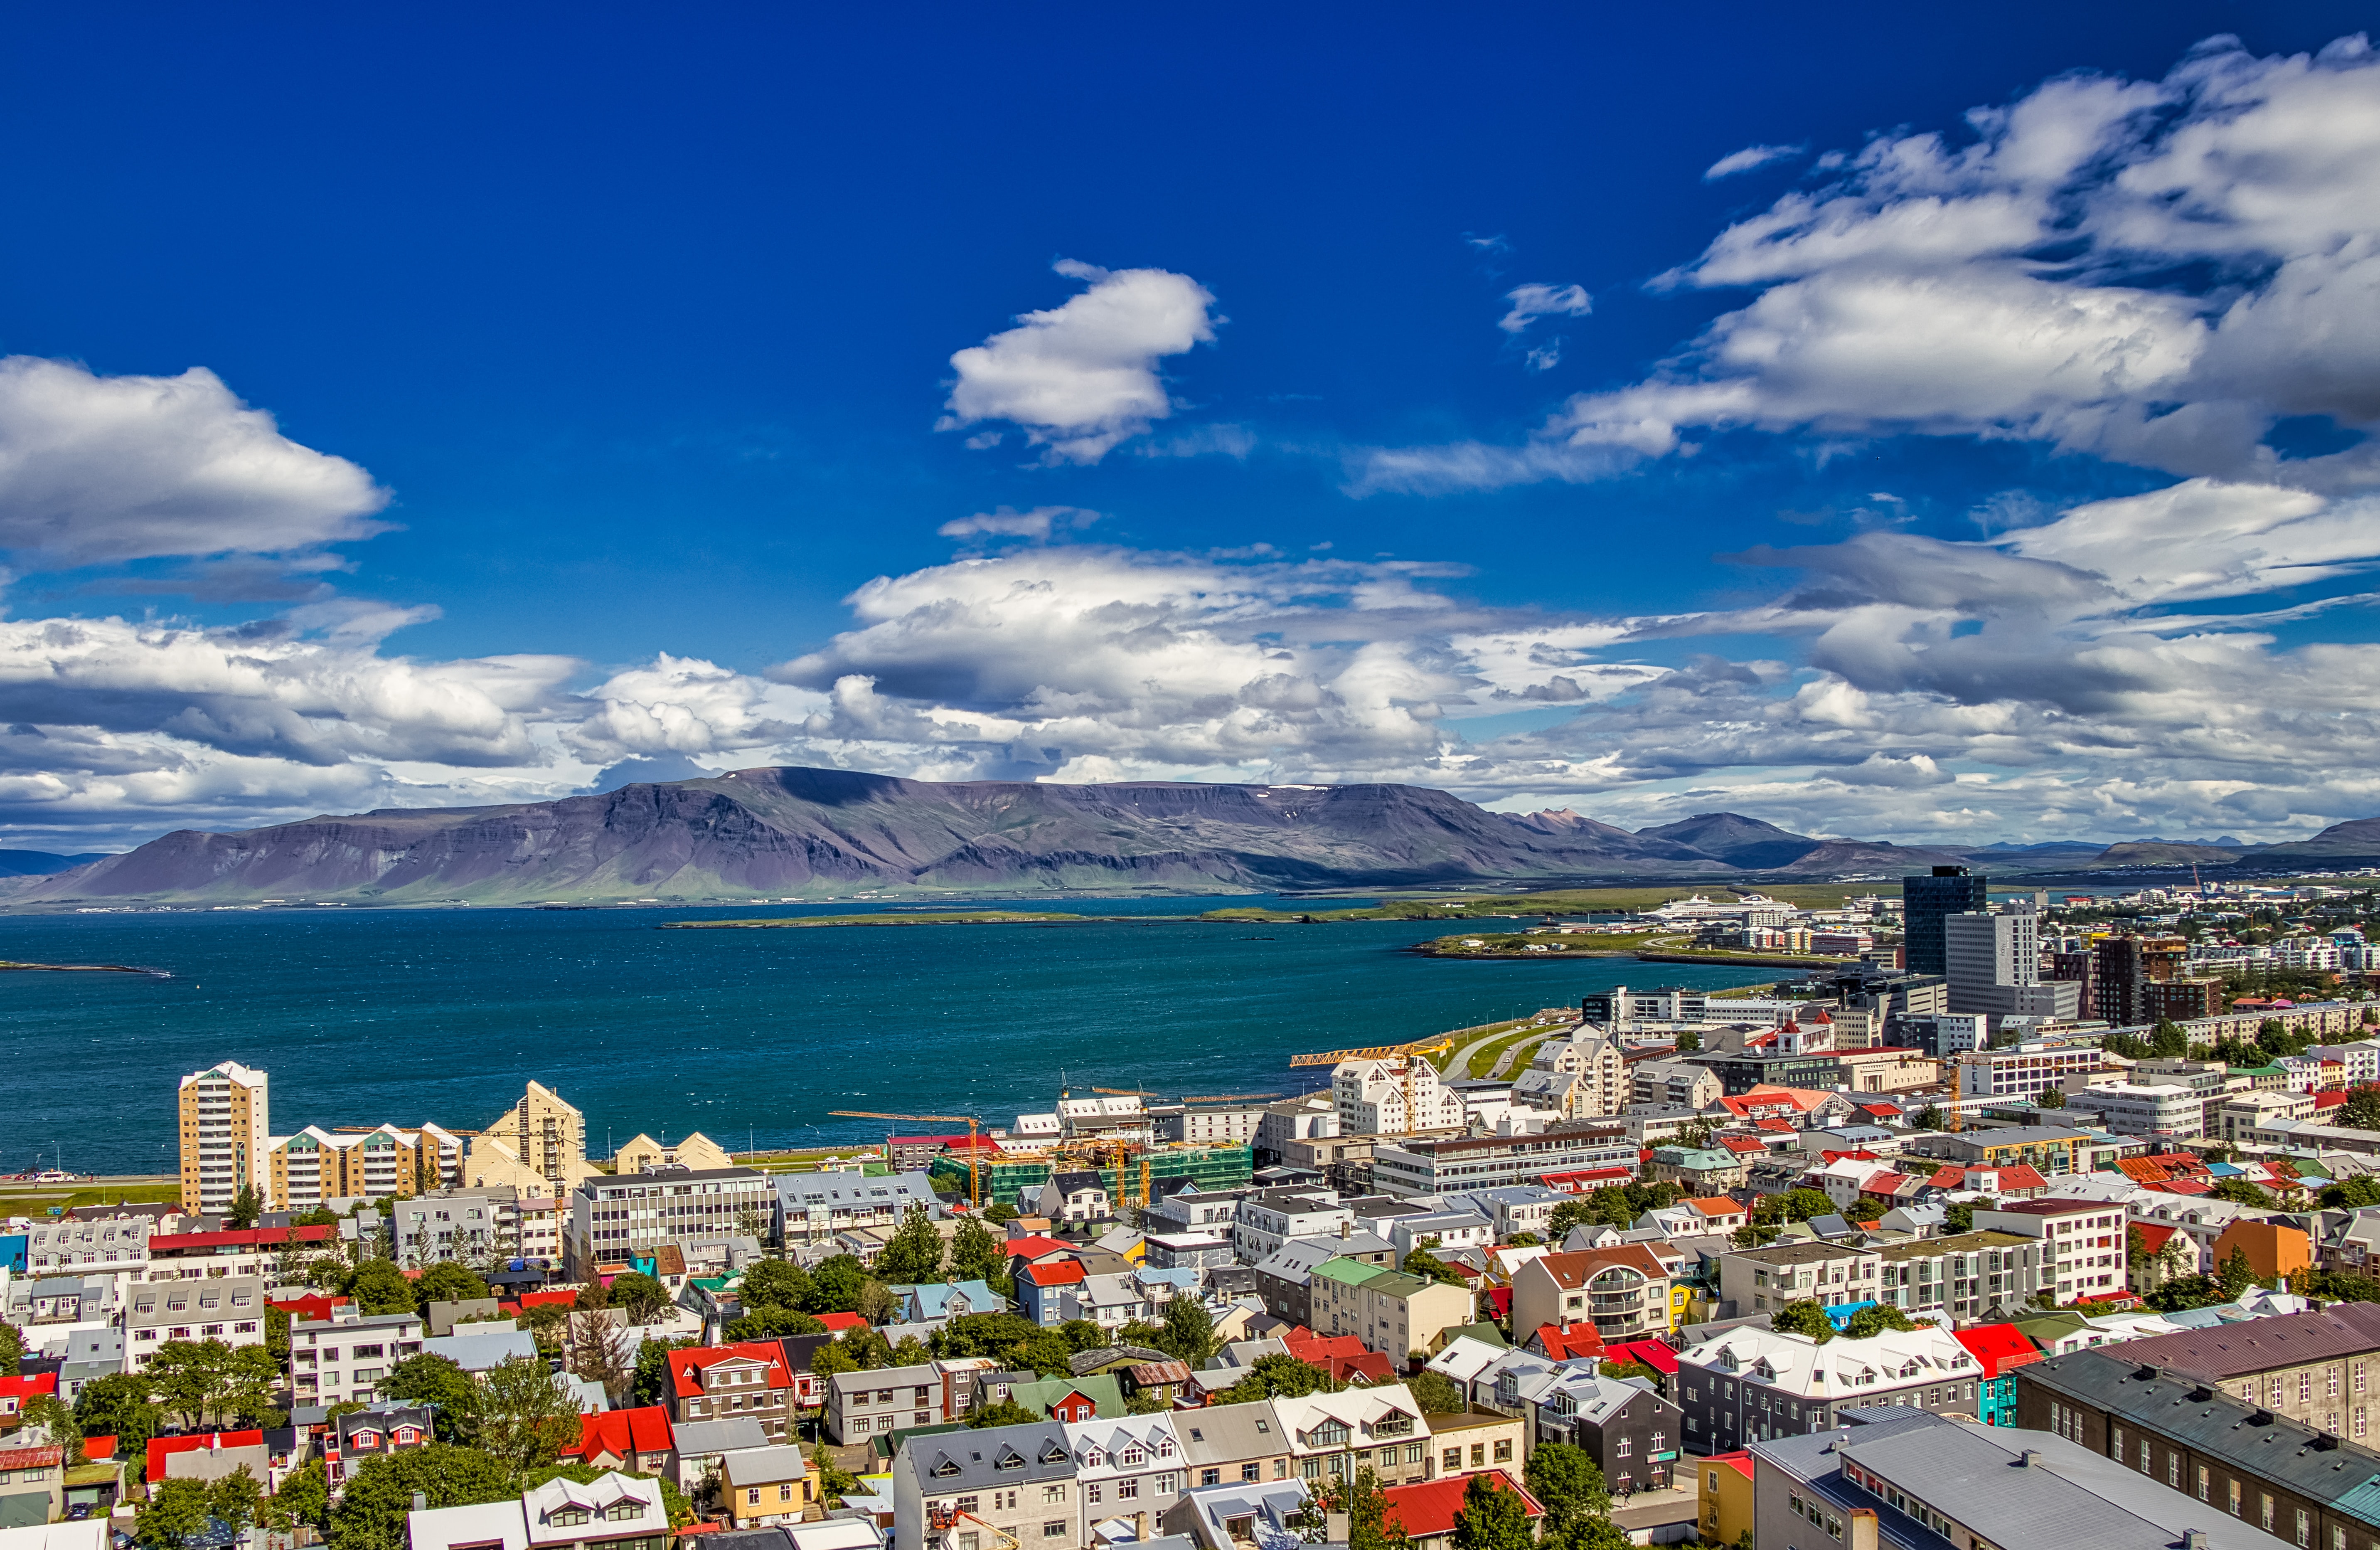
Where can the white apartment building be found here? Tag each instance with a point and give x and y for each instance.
(1395, 1095)
(114, 1246)
(226, 1129)
(2128, 1109)
(1129, 1465)
(229, 1309)
(2024, 1069)
(2361, 1060)
(2081, 1242)
(1582, 1077)
(333, 1361)
(1269, 1218)
(615, 1216)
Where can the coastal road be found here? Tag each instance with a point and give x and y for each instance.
(107, 1181)
(1511, 1057)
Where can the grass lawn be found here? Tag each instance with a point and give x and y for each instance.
(1485, 1060)
(14, 1205)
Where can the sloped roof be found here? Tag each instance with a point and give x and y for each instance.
(1065, 1273)
(1998, 1346)
(1428, 1509)
(687, 1366)
(619, 1433)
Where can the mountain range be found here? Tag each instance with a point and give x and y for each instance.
(795, 833)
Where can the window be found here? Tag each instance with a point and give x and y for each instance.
(1619, 1452)
(1215, 1477)
(784, 1492)
(1092, 1492)
(2173, 1471)
(2305, 1528)
(1054, 1531)
(1416, 1453)
(2305, 1387)
(2235, 1498)
(1052, 1494)
(752, 1496)
(2267, 1514)
(2202, 1483)
(1127, 1490)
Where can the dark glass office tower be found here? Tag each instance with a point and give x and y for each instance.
(1952, 890)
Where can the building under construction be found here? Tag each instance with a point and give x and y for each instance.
(1129, 1169)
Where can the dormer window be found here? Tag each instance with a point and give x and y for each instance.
(1051, 1454)
(1009, 1459)
(1132, 1457)
(1165, 1447)
(624, 1512)
(945, 1466)
(1094, 1458)
(568, 1518)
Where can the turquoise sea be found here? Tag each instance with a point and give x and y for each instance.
(365, 1017)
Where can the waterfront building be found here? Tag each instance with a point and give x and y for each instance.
(806, 1208)
(618, 1220)
(1394, 1095)
(226, 1125)
(539, 1145)
(1448, 1163)
(315, 1167)
(640, 1153)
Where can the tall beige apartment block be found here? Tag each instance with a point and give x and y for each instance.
(539, 1145)
(226, 1125)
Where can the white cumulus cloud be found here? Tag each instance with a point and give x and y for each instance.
(1082, 377)
(1532, 302)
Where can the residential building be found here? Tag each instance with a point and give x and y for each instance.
(2082, 1244)
(1312, 1116)
(1387, 1310)
(229, 1308)
(1336, 1433)
(979, 1490)
(765, 1485)
(1929, 901)
(1283, 1281)
(538, 1146)
(1675, 1083)
(1076, 1198)
(276, 1255)
(1582, 1077)
(32, 1485)
(1966, 1277)
(1739, 1074)
(1462, 1163)
(2046, 1149)
(1394, 1096)
(227, 1128)
(813, 1207)
(316, 1166)
(1472, 1442)
(2021, 1071)
(1237, 1516)
(1208, 1121)
(1189, 1209)
(865, 1404)
(1127, 1466)
(1998, 1350)
(1269, 1218)
(1512, 1208)
(1990, 956)
(1699, 1170)
(702, 1446)
(640, 1440)
(1897, 1477)
(460, 1226)
(1749, 1385)
(1457, 1227)
(1723, 1497)
(1623, 1290)
(2167, 1112)
(2275, 1250)
(335, 1362)
(751, 1378)
(378, 1431)
(614, 1218)
(618, 1511)
(112, 1246)
(1763, 1280)
(2317, 1369)
(1236, 1444)
(1044, 1291)
(1427, 1512)
(2305, 1487)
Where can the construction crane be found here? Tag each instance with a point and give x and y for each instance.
(1127, 1092)
(975, 1189)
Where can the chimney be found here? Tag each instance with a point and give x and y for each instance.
(1346, 1230)
(1140, 1527)
(2030, 1458)
(1861, 1535)
(421, 1501)
(2195, 1539)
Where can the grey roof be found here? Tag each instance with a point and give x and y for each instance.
(768, 1536)
(753, 1465)
(882, 1377)
(1085, 1363)
(1229, 1434)
(943, 1462)
(1067, 1183)
(727, 1434)
(2325, 1469)
(1269, 1505)
(1798, 1253)
(1296, 1258)
(851, 1190)
(476, 1353)
(2229, 1350)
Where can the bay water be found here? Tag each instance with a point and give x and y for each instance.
(364, 1016)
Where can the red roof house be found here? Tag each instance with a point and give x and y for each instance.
(1652, 1353)
(1344, 1357)
(687, 1367)
(163, 1448)
(1427, 1511)
(1034, 1248)
(1998, 1349)
(640, 1440)
(14, 1392)
(841, 1324)
(1564, 1342)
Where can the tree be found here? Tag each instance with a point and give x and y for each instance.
(1366, 1505)
(839, 1285)
(1437, 1394)
(2179, 1292)
(983, 1335)
(119, 1406)
(373, 1502)
(2235, 1273)
(1804, 1317)
(445, 1282)
(524, 1413)
(12, 1349)
(2352, 1193)
(1429, 1267)
(1491, 1518)
(652, 1376)
(2049, 1098)
(2361, 1110)
(1688, 1040)
(977, 1255)
(49, 1414)
(1083, 1335)
(772, 1323)
(546, 1323)
(1000, 1211)
(440, 1383)
(2239, 1191)
(1272, 1377)
(773, 1284)
(234, 1498)
(206, 1382)
(1929, 1118)
(596, 1349)
(1523, 1241)
(831, 1359)
(1002, 1412)
(915, 1252)
(1959, 1217)
(174, 1513)
(639, 1296)
(833, 1480)
(1048, 1353)
(1189, 1333)
(1568, 1481)
(304, 1497)
(1875, 1319)
(2167, 1039)
(246, 1208)
(1631, 1370)
(379, 1286)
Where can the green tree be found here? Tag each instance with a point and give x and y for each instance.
(2167, 1039)
(977, 1255)
(2049, 1098)
(1491, 1518)
(773, 1284)
(236, 1499)
(246, 1208)
(595, 1347)
(379, 1286)
(445, 1282)
(831, 1359)
(2352, 1193)
(1523, 1241)
(983, 1335)
(1000, 1212)
(652, 1385)
(440, 1383)
(1437, 1394)
(1875, 1319)
(12, 1349)
(1002, 1412)
(1567, 1480)
(1929, 1118)
(2240, 1192)
(1083, 1335)
(833, 1480)
(524, 1413)
(1688, 1040)
(1272, 1377)
(207, 1383)
(376, 1498)
(1631, 1370)
(119, 1406)
(2235, 1273)
(2179, 1292)
(2361, 1110)
(546, 1323)
(839, 1285)
(914, 1254)
(1959, 1216)
(174, 1514)
(772, 1323)
(49, 1414)
(1804, 1317)
(304, 1497)
(1420, 1262)
(1366, 1505)
(1189, 1332)
(1048, 1353)
(639, 1296)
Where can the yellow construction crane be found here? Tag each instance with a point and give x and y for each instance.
(975, 1189)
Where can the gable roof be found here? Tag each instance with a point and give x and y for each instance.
(1655, 1354)
(1576, 1269)
(2229, 1350)
(1063, 1273)
(623, 1433)
(687, 1366)
(163, 1448)
(1562, 1344)
(1999, 1347)
(1427, 1510)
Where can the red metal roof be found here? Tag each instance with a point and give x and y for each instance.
(314, 1307)
(163, 1448)
(1997, 1347)
(1652, 1353)
(1429, 1507)
(1561, 1344)
(686, 1367)
(837, 1324)
(1740, 1462)
(1065, 1273)
(27, 1387)
(622, 1433)
(1034, 1247)
(99, 1451)
(30, 1457)
(242, 1238)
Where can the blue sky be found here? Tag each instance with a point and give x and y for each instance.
(1882, 422)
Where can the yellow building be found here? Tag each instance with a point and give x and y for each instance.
(696, 1150)
(316, 1164)
(538, 1146)
(227, 1128)
(1722, 1496)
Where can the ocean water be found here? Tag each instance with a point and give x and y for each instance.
(365, 1017)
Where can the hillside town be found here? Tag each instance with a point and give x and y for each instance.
(2020, 1223)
